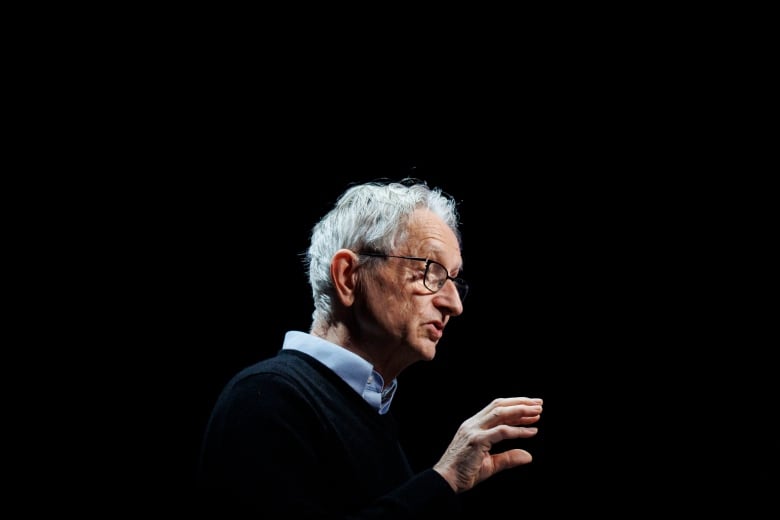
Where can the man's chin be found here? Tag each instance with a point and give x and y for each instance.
(428, 351)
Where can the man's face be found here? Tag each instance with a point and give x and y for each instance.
(399, 311)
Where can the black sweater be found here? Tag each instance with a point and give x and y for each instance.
(288, 436)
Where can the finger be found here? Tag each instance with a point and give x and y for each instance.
(504, 432)
(510, 458)
(509, 401)
(512, 415)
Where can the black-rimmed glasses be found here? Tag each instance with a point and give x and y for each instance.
(436, 275)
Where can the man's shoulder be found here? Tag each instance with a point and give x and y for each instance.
(285, 364)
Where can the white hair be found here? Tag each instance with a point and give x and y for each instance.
(369, 217)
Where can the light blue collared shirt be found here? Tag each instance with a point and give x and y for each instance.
(358, 373)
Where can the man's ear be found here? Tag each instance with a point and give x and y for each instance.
(343, 270)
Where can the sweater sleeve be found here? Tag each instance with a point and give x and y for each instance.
(426, 495)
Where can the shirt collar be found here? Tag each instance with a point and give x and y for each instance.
(358, 373)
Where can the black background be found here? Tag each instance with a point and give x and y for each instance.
(217, 279)
(590, 287)
(605, 208)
